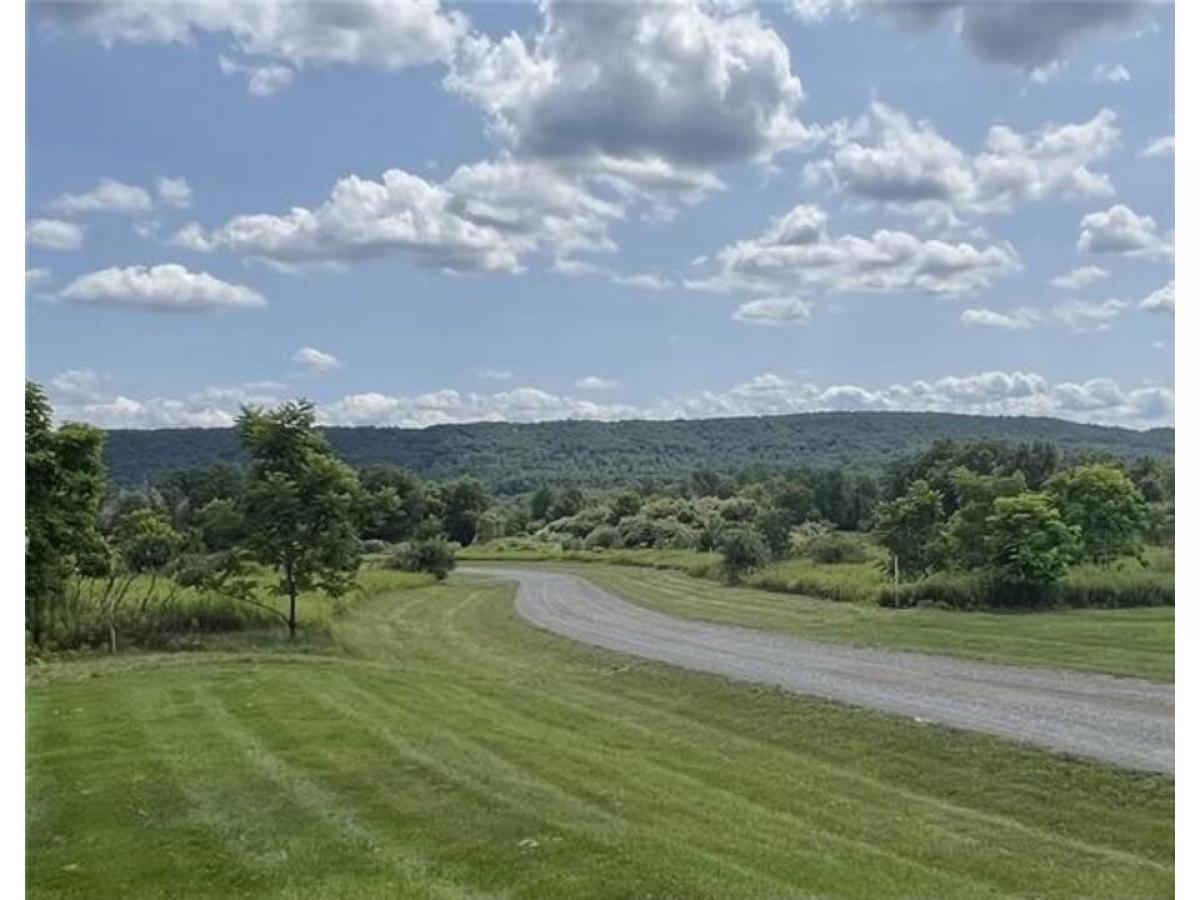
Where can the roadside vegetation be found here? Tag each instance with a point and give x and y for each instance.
(966, 526)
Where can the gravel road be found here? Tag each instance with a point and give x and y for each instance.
(1117, 720)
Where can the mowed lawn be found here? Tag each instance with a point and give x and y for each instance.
(1138, 642)
(449, 750)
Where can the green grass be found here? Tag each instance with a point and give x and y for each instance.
(175, 617)
(1139, 642)
(453, 751)
(1127, 584)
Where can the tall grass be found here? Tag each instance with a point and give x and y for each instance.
(149, 612)
(1126, 584)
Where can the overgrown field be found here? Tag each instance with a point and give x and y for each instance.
(1126, 584)
(1138, 642)
(450, 750)
(156, 612)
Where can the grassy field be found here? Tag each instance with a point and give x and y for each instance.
(446, 749)
(1138, 642)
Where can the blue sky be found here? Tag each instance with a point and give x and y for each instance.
(604, 211)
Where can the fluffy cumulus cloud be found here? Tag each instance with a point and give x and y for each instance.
(798, 250)
(53, 234)
(261, 80)
(165, 288)
(1161, 300)
(109, 195)
(1120, 230)
(484, 217)
(174, 192)
(888, 159)
(1159, 148)
(650, 96)
(280, 34)
(1087, 315)
(774, 311)
(86, 396)
(315, 360)
(597, 383)
(998, 31)
(1079, 278)
(1017, 320)
(1111, 73)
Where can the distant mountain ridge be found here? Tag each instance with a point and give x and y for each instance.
(513, 457)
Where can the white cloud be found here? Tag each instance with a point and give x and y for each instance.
(174, 192)
(797, 250)
(774, 311)
(382, 34)
(37, 275)
(168, 288)
(1161, 300)
(886, 158)
(107, 196)
(53, 234)
(998, 31)
(316, 360)
(1079, 278)
(1017, 320)
(1085, 315)
(1159, 147)
(261, 80)
(1120, 230)
(650, 96)
(84, 396)
(1111, 73)
(492, 374)
(484, 217)
(596, 383)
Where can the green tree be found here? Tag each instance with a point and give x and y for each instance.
(64, 487)
(910, 527)
(626, 503)
(1105, 506)
(1029, 545)
(299, 502)
(540, 502)
(566, 503)
(463, 502)
(774, 526)
(742, 550)
(966, 530)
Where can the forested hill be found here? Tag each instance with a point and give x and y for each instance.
(512, 458)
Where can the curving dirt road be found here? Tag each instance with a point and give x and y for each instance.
(1118, 720)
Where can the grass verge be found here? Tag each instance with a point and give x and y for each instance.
(453, 751)
(1135, 642)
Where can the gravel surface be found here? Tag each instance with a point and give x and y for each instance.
(1118, 720)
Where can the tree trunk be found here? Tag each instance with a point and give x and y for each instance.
(291, 589)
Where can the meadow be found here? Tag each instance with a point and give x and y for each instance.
(437, 746)
(1126, 584)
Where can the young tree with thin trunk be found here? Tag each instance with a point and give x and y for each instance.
(300, 503)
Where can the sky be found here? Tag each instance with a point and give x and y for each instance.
(415, 213)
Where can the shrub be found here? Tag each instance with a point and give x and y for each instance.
(434, 556)
(637, 531)
(831, 549)
(741, 551)
(670, 534)
(602, 537)
(373, 545)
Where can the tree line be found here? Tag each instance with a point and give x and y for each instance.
(294, 509)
